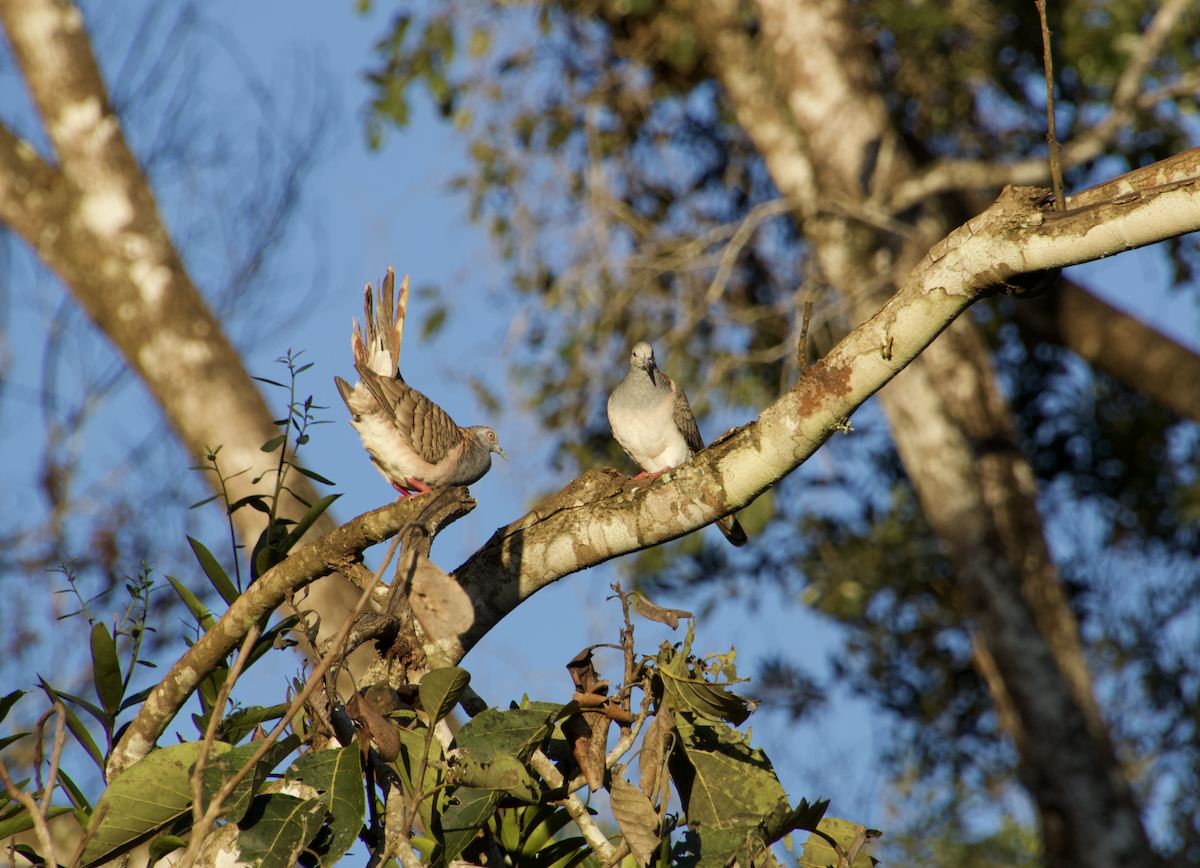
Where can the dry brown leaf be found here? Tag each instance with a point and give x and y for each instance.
(650, 758)
(384, 734)
(636, 818)
(438, 602)
(670, 617)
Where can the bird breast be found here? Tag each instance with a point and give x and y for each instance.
(651, 439)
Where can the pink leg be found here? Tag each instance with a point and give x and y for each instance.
(418, 486)
(647, 474)
(404, 492)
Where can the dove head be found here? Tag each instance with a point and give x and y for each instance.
(642, 359)
(487, 438)
(476, 459)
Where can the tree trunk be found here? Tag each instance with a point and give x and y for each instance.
(951, 426)
(92, 219)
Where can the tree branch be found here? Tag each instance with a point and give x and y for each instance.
(330, 553)
(597, 517)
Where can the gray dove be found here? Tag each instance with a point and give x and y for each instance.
(652, 420)
(411, 440)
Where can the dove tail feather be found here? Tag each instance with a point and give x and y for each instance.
(732, 528)
(397, 323)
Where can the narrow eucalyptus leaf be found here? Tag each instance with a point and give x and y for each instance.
(315, 476)
(77, 728)
(216, 574)
(9, 701)
(106, 670)
(203, 617)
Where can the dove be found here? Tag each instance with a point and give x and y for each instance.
(652, 420)
(411, 440)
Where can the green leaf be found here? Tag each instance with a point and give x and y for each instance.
(274, 443)
(238, 725)
(783, 821)
(203, 617)
(818, 849)
(106, 670)
(697, 695)
(463, 819)
(338, 774)
(541, 826)
(148, 796)
(9, 701)
(78, 799)
(440, 689)
(562, 854)
(230, 763)
(214, 571)
(11, 739)
(164, 844)
(23, 822)
(141, 695)
(727, 787)
(277, 828)
(314, 476)
(258, 501)
(504, 772)
(517, 731)
(90, 707)
(412, 743)
(206, 500)
(314, 512)
(267, 640)
(76, 726)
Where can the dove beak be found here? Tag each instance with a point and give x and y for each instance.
(496, 448)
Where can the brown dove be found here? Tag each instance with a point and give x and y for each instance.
(411, 440)
(652, 420)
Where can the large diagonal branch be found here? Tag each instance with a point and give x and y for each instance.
(93, 220)
(599, 517)
(334, 552)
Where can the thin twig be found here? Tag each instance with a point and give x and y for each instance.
(596, 839)
(802, 349)
(39, 819)
(846, 858)
(60, 738)
(1048, 63)
(214, 720)
(92, 828)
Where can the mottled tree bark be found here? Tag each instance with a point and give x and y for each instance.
(89, 214)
